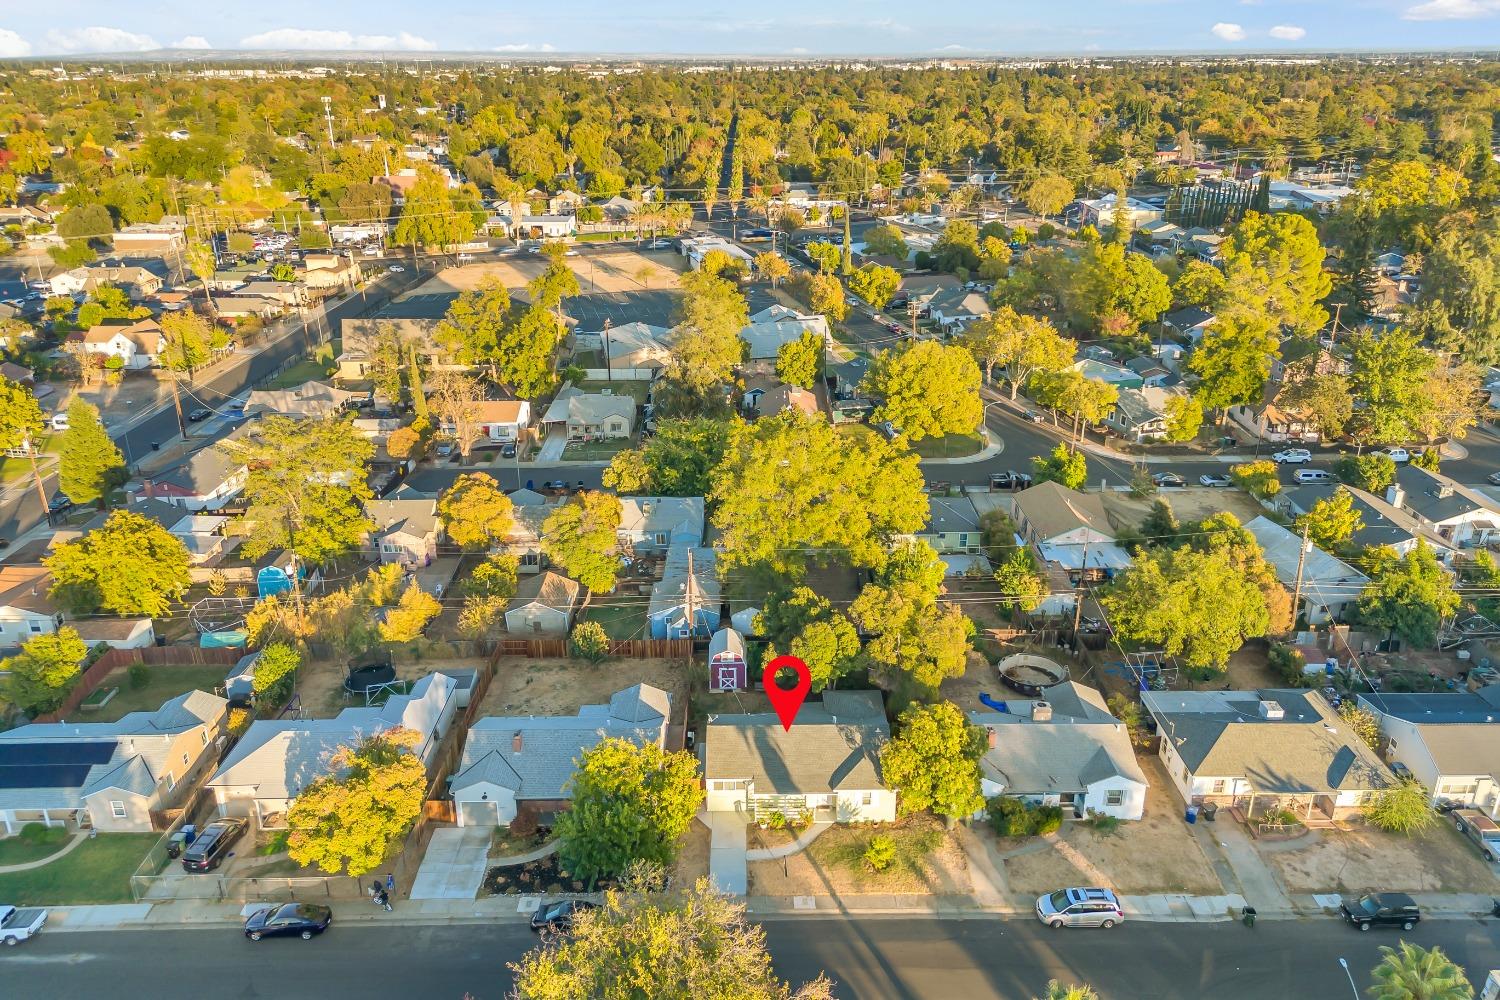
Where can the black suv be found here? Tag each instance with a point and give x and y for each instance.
(209, 849)
(1394, 909)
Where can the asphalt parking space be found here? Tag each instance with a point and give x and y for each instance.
(654, 307)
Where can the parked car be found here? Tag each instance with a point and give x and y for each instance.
(555, 486)
(1398, 455)
(1494, 478)
(1166, 479)
(60, 503)
(1479, 828)
(371, 251)
(444, 449)
(508, 450)
(1292, 456)
(200, 413)
(558, 916)
(888, 430)
(1214, 479)
(1305, 476)
(395, 269)
(1034, 417)
(1010, 480)
(1392, 909)
(16, 924)
(304, 920)
(1086, 907)
(209, 849)
(60, 421)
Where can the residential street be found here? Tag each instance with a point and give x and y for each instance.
(877, 958)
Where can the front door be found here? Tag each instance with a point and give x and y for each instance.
(824, 807)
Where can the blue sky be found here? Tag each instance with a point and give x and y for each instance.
(765, 27)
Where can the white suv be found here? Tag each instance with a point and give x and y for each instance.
(1087, 907)
(1293, 456)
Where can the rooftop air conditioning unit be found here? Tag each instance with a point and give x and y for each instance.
(1041, 712)
(1272, 710)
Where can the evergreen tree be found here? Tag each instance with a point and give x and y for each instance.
(91, 464)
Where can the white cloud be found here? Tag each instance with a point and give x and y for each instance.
(526, 47)
(191, 42)
(12, 45)
(96, 39)
(1289, 32)
(1452, 10)
(1229, 32)
(315, 38)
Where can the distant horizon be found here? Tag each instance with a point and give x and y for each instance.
(670, 29)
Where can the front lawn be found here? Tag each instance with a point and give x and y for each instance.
(97, 871)
(35, 842)
(949, 446)
(163, 683)
(594, 451)
(305, 370)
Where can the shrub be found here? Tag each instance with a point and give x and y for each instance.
(1047, 819)
(1102, 822)
(217, 583)
(1009, 817)
(239, 721)
(880, 852)
(524, 826)
(1406, 808)
(138, 675)
(777, 820)
(590, 641)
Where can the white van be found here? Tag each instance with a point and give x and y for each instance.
(1306, 476)
(60, 421)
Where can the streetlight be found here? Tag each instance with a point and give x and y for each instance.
(1345, 964)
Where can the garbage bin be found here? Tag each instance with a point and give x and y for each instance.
(1247, 916)
(1192, 814)
(1210, 810)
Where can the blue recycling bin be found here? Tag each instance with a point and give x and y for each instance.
(1192, 814)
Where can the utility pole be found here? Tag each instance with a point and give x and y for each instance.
(609, 367)
(36, 475)
(690, 595)
(328, 116)
(1088, 537)
(1301, 560)
(1338, 308)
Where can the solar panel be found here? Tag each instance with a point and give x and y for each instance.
(45, 776)
(61, 752)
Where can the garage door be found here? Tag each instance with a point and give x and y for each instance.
(478, 814)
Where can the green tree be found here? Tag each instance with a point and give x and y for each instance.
(1068, 468)
(346, 821)
(1115, 292)
(1199, 284)
(1363, 721)
(1459, 309)
(1019, 579)
(30, 150)
(187, 341)
(1184, 418)
(630, 804)
(90, 463)
(130, 565)
(430, 217)
(1086, 400)
(1197, 606)
(677, 461)
(824, 294)
(40, 676)
(885, 241)
(1261, 480)
(927, 389)
(773, 266)
(590, 642)
(933, 762)
(474, 327)
(1327, 398)
(825, 255)
(875, 283)
(527, 350)
(790, 489)
(807, 626)
(475, 512)
(916, 642)
(1411, 972)
(580, 537)
(412, 613)
(202, 261)
(707, 344)
(1405, 807)
(648, 944)
(275, 672)
(1047, 194)
(1022, 345)
(1409, 594)
(1233, 360)
(799, 361)
(1273, 266)
(1332, 521)
(1390, 373)
(21, 425)
(495, 577)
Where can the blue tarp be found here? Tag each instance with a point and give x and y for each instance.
(229, 639)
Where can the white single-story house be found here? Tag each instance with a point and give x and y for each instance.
(1282, 748)
(136, 345)
(1067, 751)
(503, 419)
(1462, 515)
(513, 764)
(827, 764)
(406, 531)
(590, 416)
(955, 308)
(277, 758)
(543, 605)
(686, 601)
(1071, 535)
(107, 775)
(1450, 741)
(26, 610)
(1329, 585)
(778, 325)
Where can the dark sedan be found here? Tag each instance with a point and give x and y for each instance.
(558, 916)
(304, 920)
(201, 413)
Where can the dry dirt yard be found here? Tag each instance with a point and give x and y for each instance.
(320, 683)
(928, 860)
(1153, 855)
(619, 270)
(1365, 859)
(692, 855)
(560, 687)
(1192, 503)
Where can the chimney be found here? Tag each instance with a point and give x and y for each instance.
(148, 489)
(1395, 495)
(1041, 712)
(993, 737)
(515, 742)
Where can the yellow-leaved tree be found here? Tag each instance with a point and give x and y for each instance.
(346, 821)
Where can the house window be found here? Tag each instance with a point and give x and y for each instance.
(1114, 797)
(117, 808)
(184, 760)
(866, 798)
(1218, 787)
(35, 626)
(204, 736)
(661, 538)
(171, 784)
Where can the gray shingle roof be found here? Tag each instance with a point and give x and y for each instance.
(822, 752)
(417, 518)
(1438, 497)
(551, 590)
(946, 514)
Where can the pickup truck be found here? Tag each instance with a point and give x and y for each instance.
(17, 925)
(1479, 828)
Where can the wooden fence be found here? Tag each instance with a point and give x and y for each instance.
(155, 656)
(639, 649)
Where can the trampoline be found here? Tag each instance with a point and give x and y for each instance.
(369, 678)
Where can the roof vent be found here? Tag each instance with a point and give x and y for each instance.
(515, 742)
(1444, 491)
(1395, 496)
(1041, 712)
(1271, 710)
(606, 392)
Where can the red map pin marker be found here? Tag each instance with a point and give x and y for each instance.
(787, 702)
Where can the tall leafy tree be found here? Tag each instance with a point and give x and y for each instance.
(1024, 346)
(1409, 594)
(1411, 972)
(1273, 265)
(1390, 374)
(90, 463)
(21, 426)
(927, 389)
(430, 216)
(807, 626)
(799, 361)
(473, 328)
(933, 762)
(580, 536)
(475, 512)
(1332, 521)
(1064, 466)
(630, 804)
(130, 565)
(346, 821)
(39, 677)
(677, 461)
(710, 316)
(1233, 361)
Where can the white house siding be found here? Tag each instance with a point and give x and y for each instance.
(725, 795)
(1093, 799)
(475, 809)
(873, 806)
(17, 626)
(137, 818)
(536, 619)
(1405, 744)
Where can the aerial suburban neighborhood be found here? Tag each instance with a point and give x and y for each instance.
(735, 518)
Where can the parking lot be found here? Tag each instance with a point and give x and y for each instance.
(655, 307)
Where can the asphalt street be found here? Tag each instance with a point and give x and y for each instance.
(875, 958)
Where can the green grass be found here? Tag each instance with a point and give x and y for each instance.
(620, 621)
(15, 469)
(588, 359)
(619, 387)
(593, 451)
(302, 371)
(97, 871)
(950, 446)
(164, 683)
(608, 237)
(34, 842)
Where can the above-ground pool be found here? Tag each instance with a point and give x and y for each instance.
(1030, 674)
(369, 677)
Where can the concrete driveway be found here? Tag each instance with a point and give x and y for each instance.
(552, 448)
(454, 865)
(726, 851)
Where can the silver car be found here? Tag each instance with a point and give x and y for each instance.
(1086, 907)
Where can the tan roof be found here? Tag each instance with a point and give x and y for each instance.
(550, 589)
(1052, 509)
(26, 587)
(145, 335)
(500, 411)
